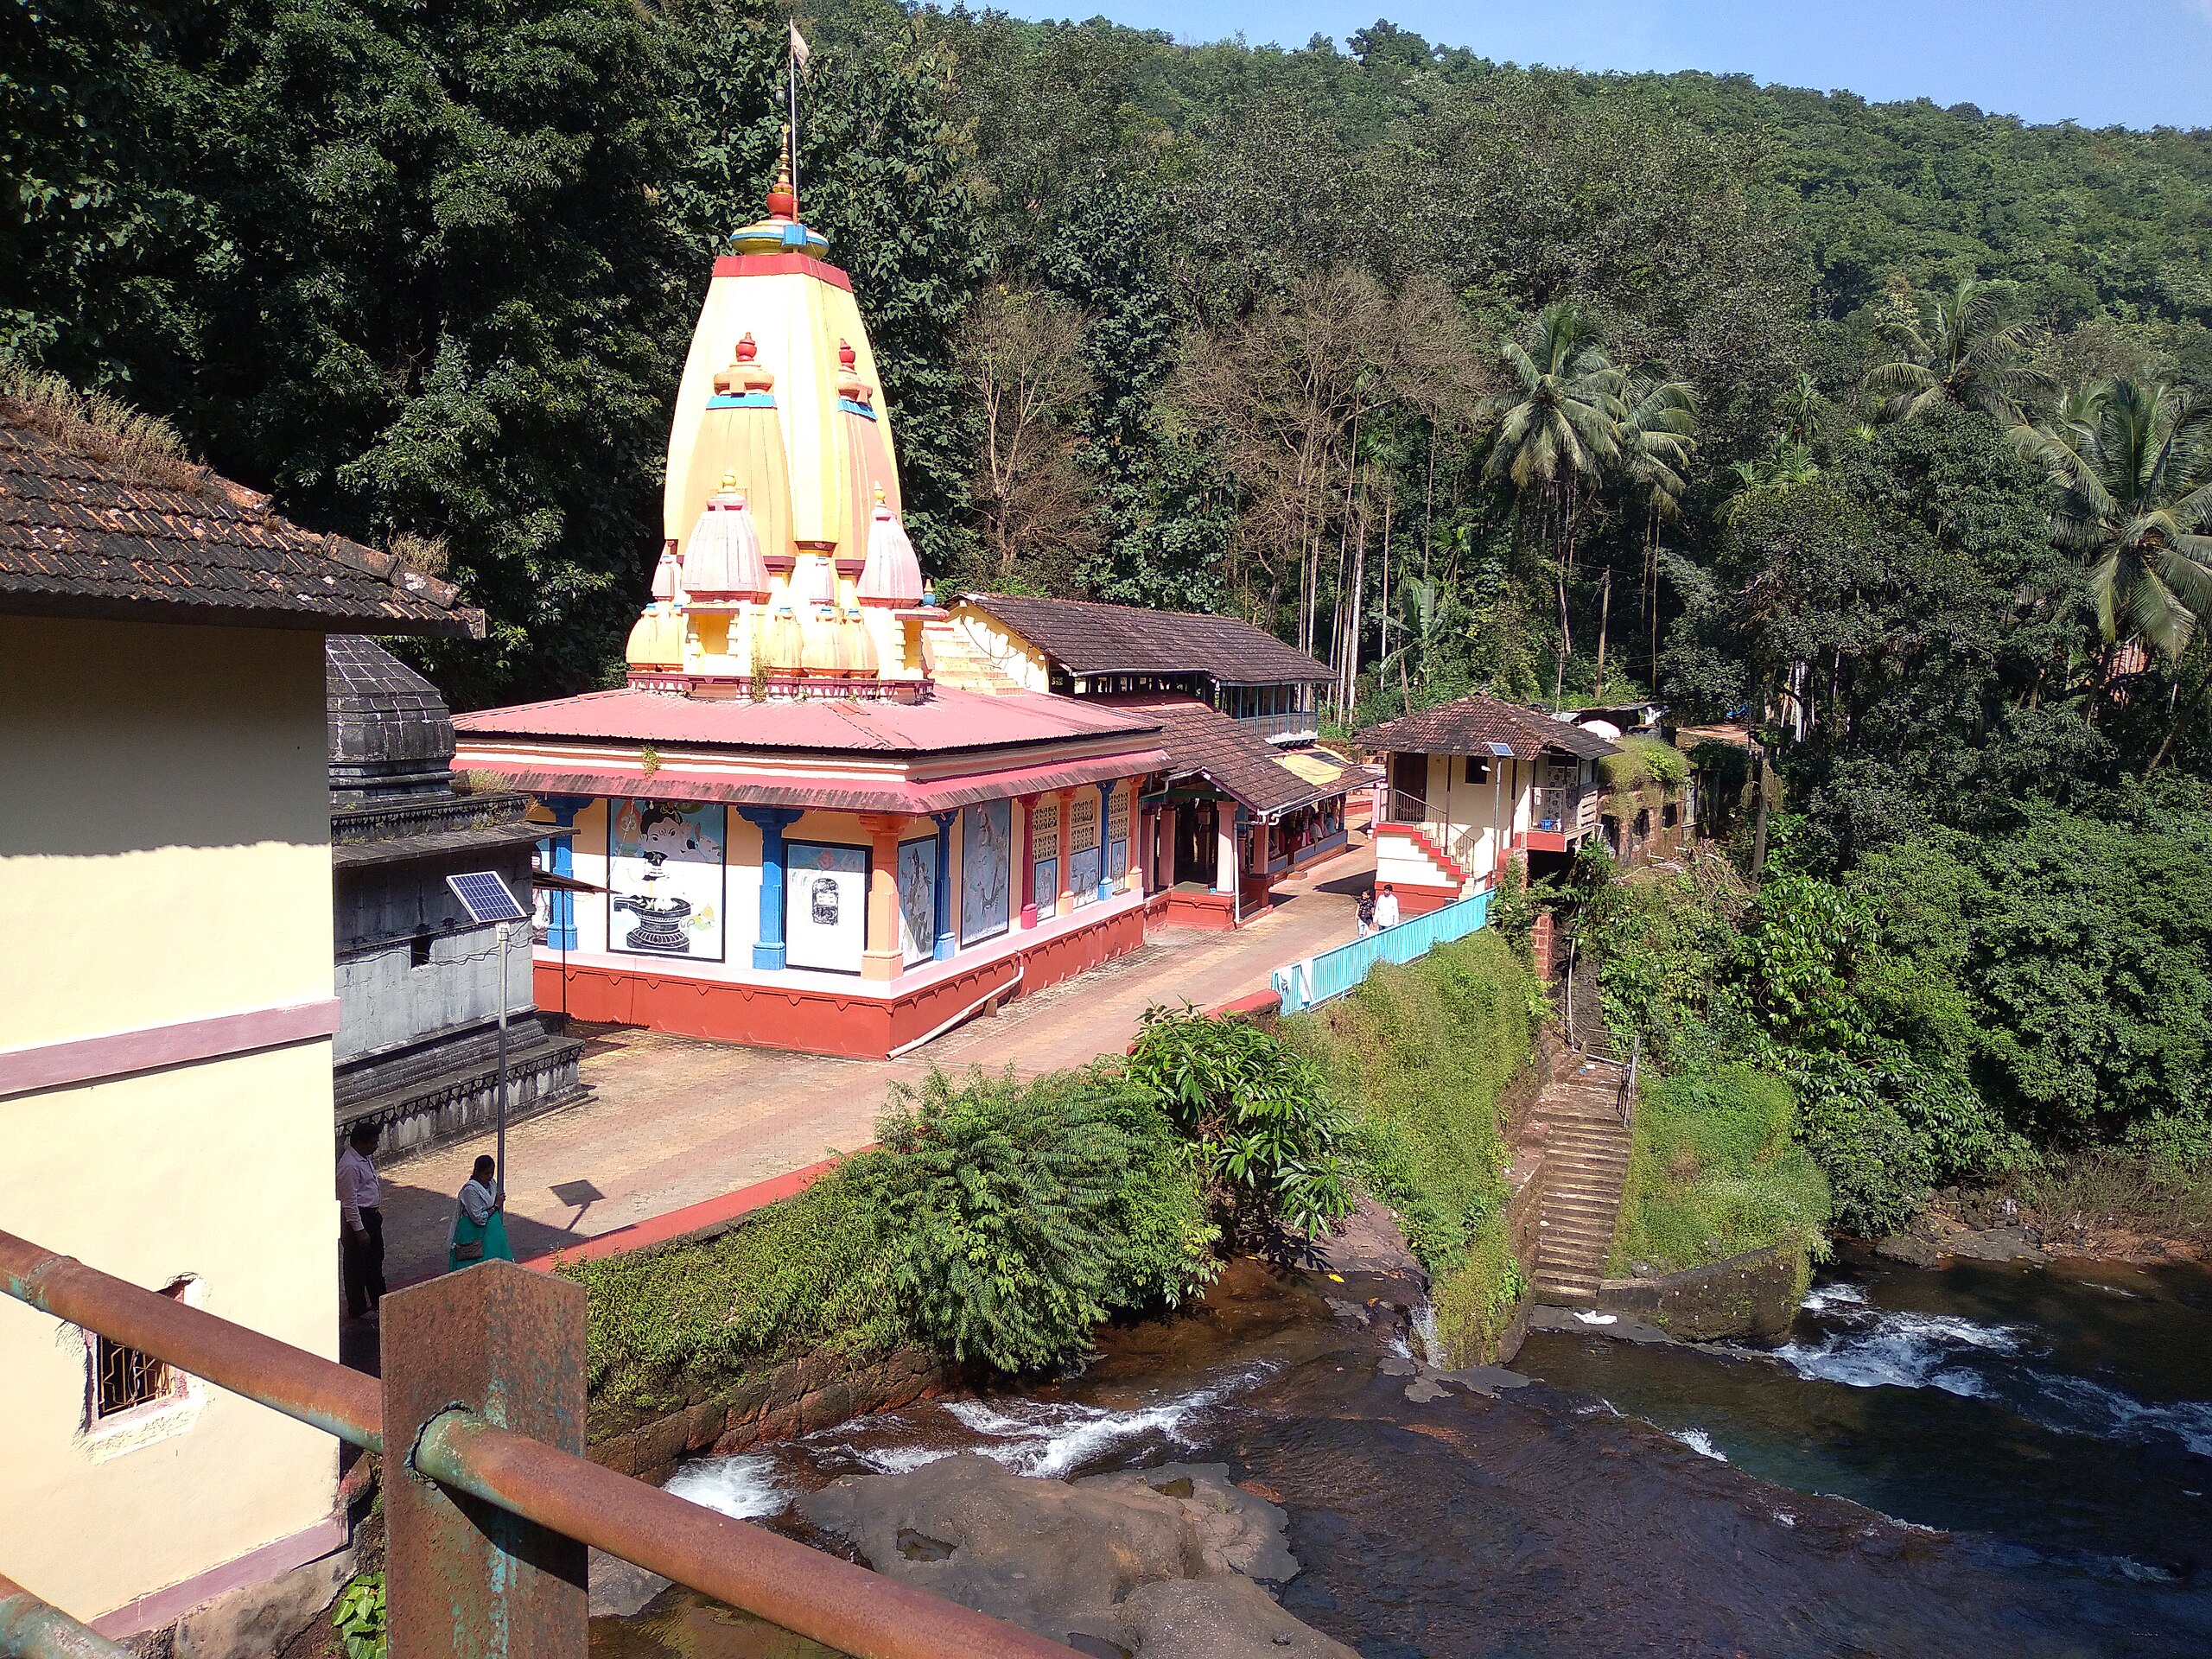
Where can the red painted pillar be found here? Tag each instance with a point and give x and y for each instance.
(1027, 806)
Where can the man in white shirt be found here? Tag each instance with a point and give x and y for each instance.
(363, 1237)
(1386, 907)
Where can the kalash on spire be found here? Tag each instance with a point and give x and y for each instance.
(785, 565)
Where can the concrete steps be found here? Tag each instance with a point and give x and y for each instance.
(1586, 1166)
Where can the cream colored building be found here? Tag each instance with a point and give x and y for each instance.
(166, 1006)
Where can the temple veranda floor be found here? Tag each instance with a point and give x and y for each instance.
(676, 1121)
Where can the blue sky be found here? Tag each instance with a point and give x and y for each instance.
(2136, 63)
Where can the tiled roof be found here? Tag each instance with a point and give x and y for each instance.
(81, 536)
(1248, 769)
(949, 721)
(1471, 725)
(1085, 638)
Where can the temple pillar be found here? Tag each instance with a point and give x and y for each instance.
(1105, 838)
(944, 939)
(560, 846)
(882, 958)
(1025, 812)
(1224, 859)
(1066, 904)
(772, 821)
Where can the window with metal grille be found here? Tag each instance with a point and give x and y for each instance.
(124, 1379)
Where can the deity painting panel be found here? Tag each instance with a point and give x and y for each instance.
(825, 906)
(665, 879)
(986, 870)
(917, 898)
(1083, 849)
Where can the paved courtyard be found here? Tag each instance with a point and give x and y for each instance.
(679, 1120)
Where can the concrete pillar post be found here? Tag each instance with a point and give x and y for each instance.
(1105, 840)
(943, 947)
(882, 958)
(561, 849)
(1224, 863)
(1025, 812)
(1065, 904)
(772, 821)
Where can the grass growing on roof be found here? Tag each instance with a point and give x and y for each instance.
(1421, 1055)
(1715, 1170)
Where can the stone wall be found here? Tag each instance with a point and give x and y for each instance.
(799, 1398)
(1755, 1294)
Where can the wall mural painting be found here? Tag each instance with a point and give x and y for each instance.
(1117, 836)
(1083, 847)
(665, 879)
(986, 870)
(917, 898)
(825, 906)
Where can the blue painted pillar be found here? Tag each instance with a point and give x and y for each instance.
(772, 821)
(561, 926)
(1105, 837)
(945, 940)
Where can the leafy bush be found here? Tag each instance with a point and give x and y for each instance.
(1715, 1170)
(1020, 1217)
(1643, 761)
(997, 1221)
(359, 1617)
(1259, 1114)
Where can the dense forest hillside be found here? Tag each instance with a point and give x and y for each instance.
(1874, 424)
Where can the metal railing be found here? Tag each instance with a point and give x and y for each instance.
(1563, 811)
(486, 1516)
(1296, 723)
(1332, 973)
(1627, 1100)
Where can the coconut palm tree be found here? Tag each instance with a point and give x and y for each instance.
(2133, 473)
(1658, 432)
(1959, 350)
(1559, 430)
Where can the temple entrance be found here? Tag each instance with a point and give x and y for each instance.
(1197, 846)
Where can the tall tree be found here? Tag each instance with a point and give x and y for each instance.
(1035, 504)
(1958, 348)
(2134, 477)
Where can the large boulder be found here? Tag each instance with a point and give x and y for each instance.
(1148, 1563)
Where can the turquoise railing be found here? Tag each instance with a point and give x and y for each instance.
(1332, 973)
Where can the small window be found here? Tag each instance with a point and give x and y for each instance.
(124, 1379)
(1644, 820)
(418, 950)
(1478, 769)
(1669, 816)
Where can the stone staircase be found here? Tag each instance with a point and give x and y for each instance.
(1585, 1164)
(955, 661)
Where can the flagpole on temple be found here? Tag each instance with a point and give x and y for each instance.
(798, 56)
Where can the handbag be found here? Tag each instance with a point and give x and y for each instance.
(472, 1251)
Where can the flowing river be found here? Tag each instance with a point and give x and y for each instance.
(2014, 1462)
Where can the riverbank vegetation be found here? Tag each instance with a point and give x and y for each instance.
(1421, 1055)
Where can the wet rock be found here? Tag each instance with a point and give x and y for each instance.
(1144, 1562)
(1369, 1243)
(1244, 1529)
(618, 1588)
(1996, 1244)
(1905, 1247)
(1422, 1390)
(1396, 1367)
(1485, 1380)
(1621, 1326)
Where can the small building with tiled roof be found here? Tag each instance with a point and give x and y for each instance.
(1471, 784)
(167, 996)
(1082, 648)
(810, 836)
(1231, 814)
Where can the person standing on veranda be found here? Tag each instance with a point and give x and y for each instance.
(362, 1238)
(480, 1225)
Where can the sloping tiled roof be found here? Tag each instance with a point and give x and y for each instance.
(1248, 769)
(949, 721)
(83, 535)
(1086, 638)
(1470, 725)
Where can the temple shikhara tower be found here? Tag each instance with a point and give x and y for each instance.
(809, 839)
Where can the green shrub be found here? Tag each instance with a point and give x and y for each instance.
(1476, 1302)
(1644, 761)
(359, 1617)
(997, 1221)
(1716, 1169)
(1259, 1112)
(1022, 1215)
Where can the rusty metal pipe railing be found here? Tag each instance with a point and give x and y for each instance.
(819, 1596)
(816, 1595)
(284, 1378)
(31, 1628)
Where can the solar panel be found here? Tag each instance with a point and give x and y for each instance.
(486, 896)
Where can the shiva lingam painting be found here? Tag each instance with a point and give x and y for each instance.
(665, 866)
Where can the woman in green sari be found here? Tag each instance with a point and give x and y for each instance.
(480, 1226)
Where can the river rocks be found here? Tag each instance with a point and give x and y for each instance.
(1755, 1294)
(1985, 1244)
(1912, 1251)
(1144, 1562)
